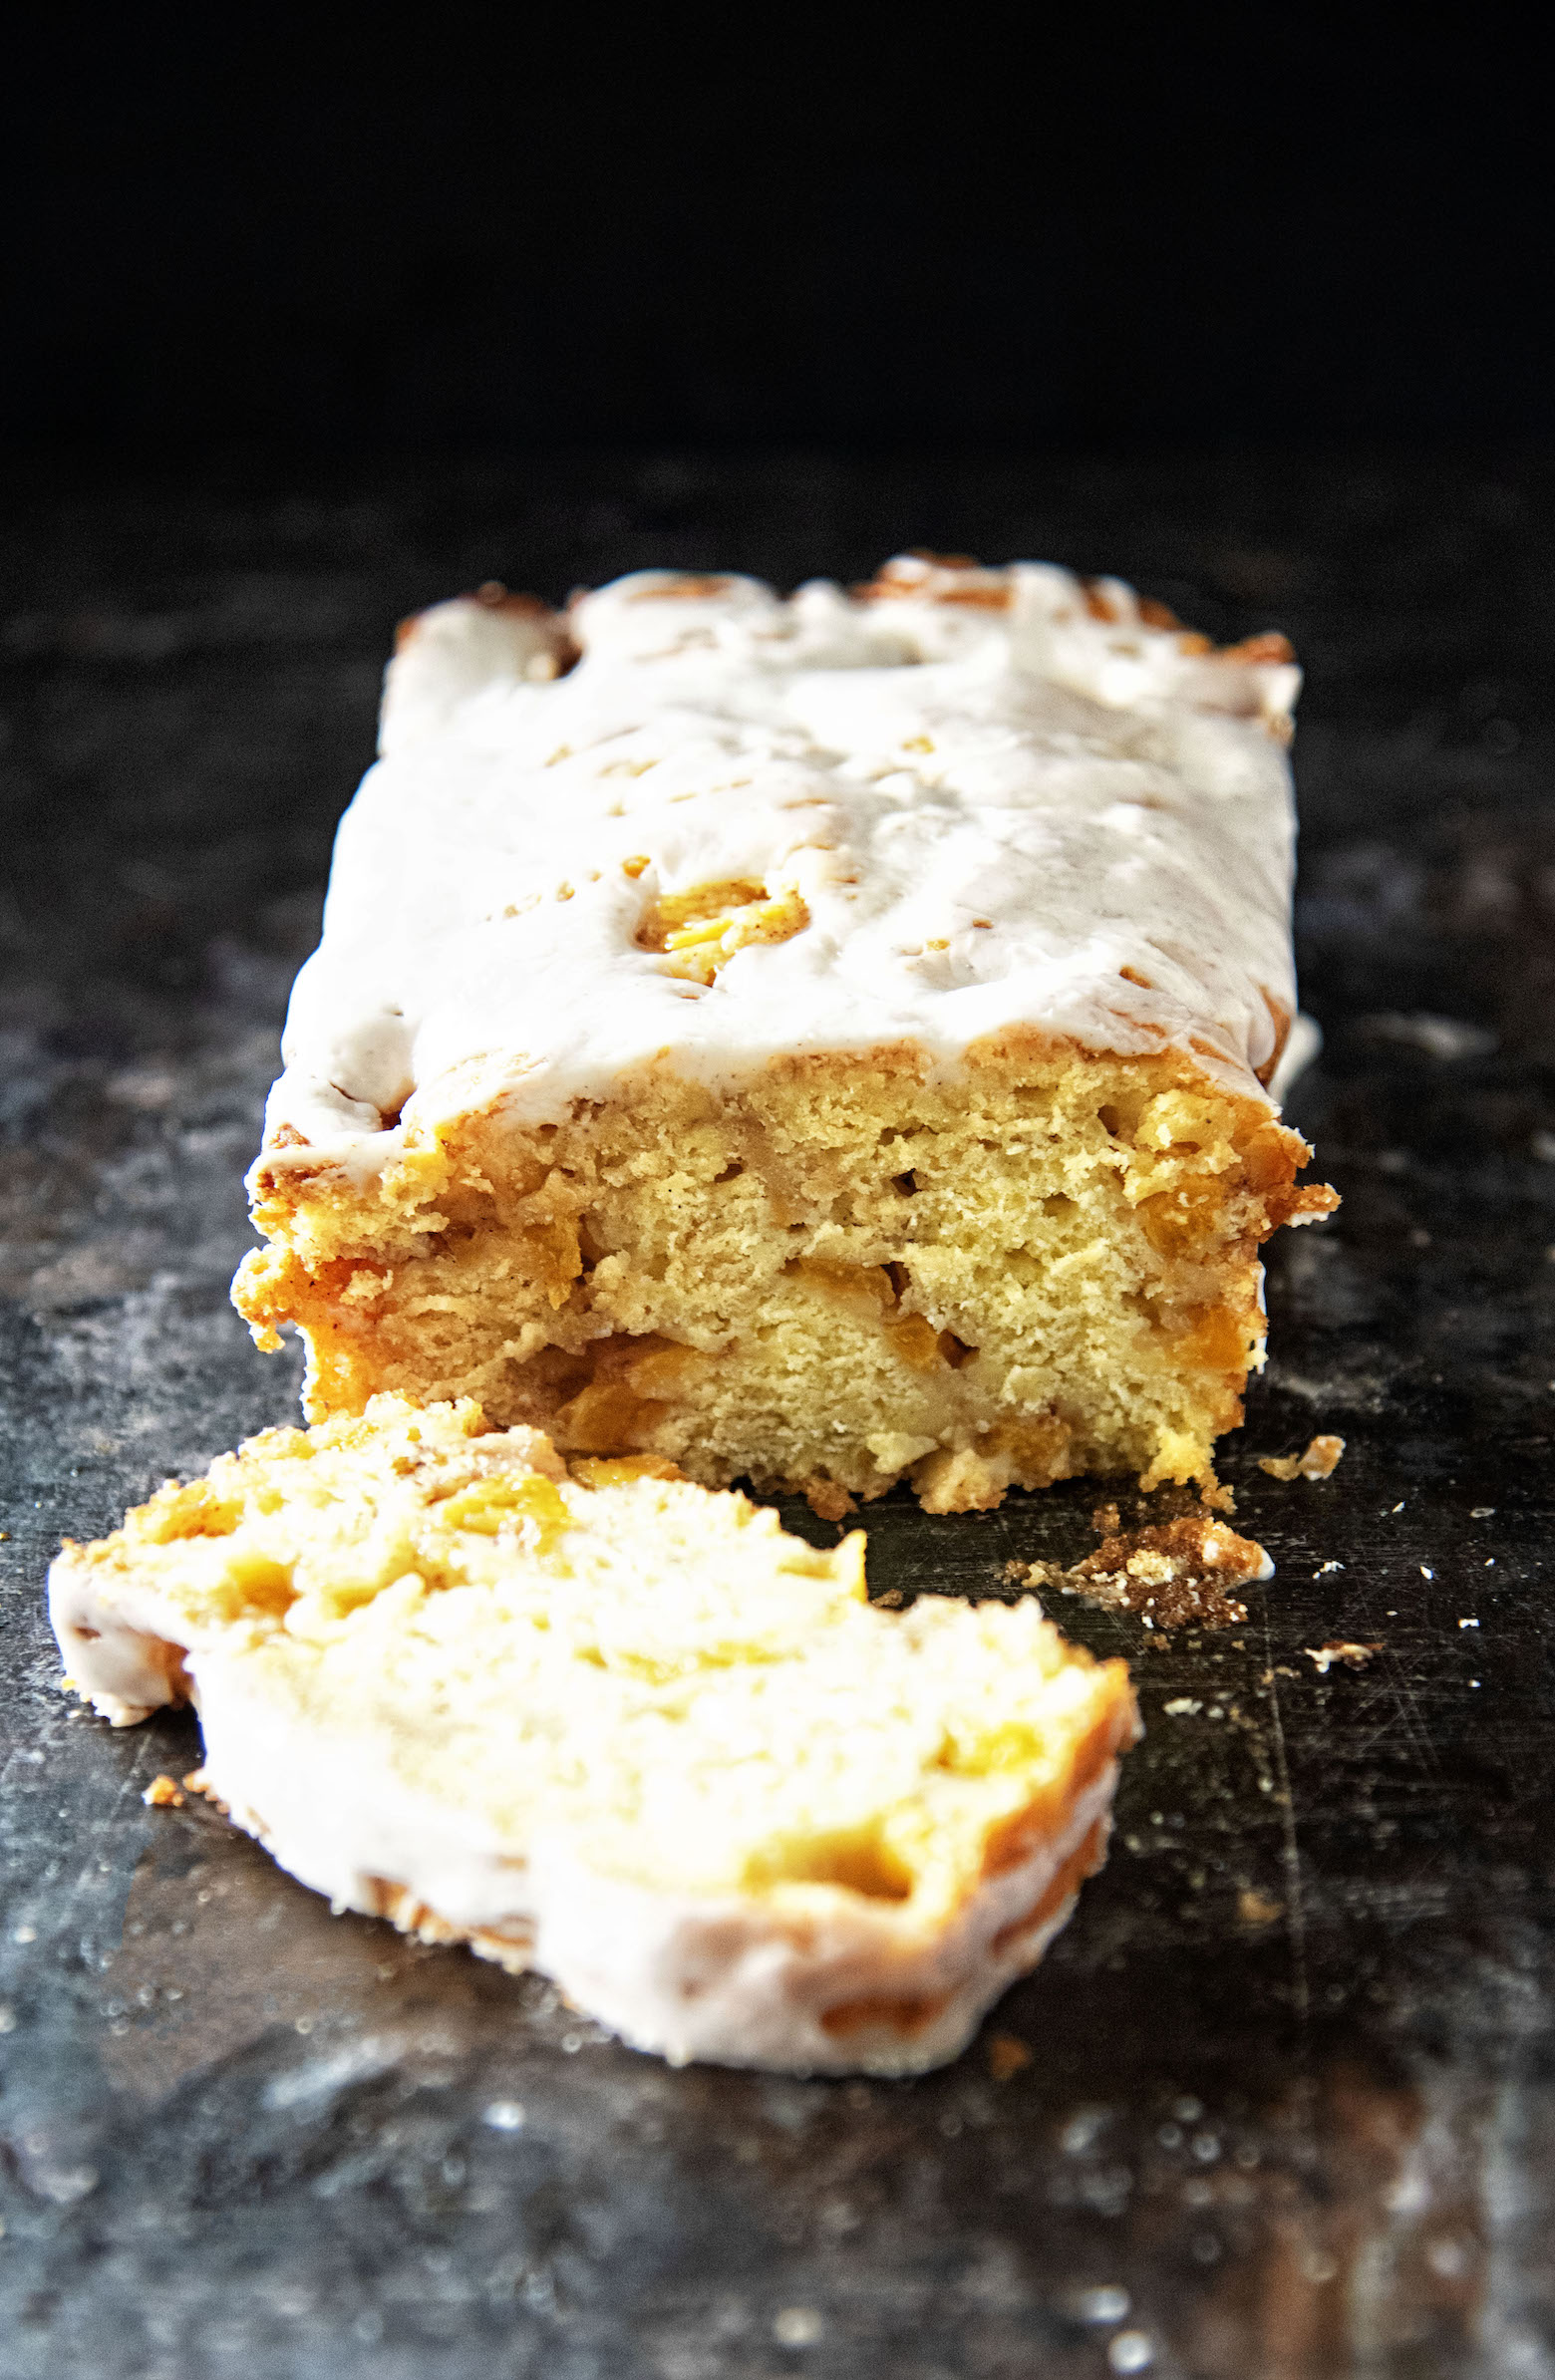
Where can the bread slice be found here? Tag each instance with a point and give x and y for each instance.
(615, 1727)
(817, 1041)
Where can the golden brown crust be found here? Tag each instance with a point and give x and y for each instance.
(1267, 648)
(512, 1949)
(925, 576)
(685, 586)
(1114, 1727)
(1083, 1861)
(905, 2017)
(1281, 1018)
(559, 654)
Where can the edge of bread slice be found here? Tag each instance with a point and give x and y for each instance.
(614, 1726)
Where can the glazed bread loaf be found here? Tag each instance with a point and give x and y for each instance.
(813, 1041)
(616, 1727)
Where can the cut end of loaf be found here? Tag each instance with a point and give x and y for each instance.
(844, 1272)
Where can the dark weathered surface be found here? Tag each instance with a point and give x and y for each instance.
(1289, 2111)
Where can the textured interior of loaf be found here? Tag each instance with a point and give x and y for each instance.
(699, 1701)
(839, 1272)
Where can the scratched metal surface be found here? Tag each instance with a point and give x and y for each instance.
(1289, 2108)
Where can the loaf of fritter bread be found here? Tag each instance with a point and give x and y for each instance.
(816, 1040)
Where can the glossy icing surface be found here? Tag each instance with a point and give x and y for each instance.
(954, 804)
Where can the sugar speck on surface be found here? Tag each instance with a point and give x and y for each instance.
(1106, 2303)
(798, 2326)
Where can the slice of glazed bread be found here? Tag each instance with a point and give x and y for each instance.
(615, 1727)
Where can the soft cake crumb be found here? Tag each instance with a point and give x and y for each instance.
(1176, 1574)
(1320, 1461)
(1354, 1657)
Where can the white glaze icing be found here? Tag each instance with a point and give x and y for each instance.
(732, 1978)
(988, 812)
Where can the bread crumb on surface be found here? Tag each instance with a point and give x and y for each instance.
(1320, 1461)
(1257, 1908)
(827, 1501)
(1007, 2054)
(1173, 1574)
(162, 1793)
(1354, 1657)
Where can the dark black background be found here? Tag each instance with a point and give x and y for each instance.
(1290, 2106)
(305, 328)
(486, 228)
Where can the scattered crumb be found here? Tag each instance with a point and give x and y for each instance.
(827, 1500)
(1256, 1908)
(1007, 2054)
(891, 1599)
(1182, 1706)
(1481, 1512)
(1174, 1574)
(1106, 1520)
(1468, 1623)
(1355, 1656)
(1320, 1461)
(162, 1793)
(1040, 1575)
